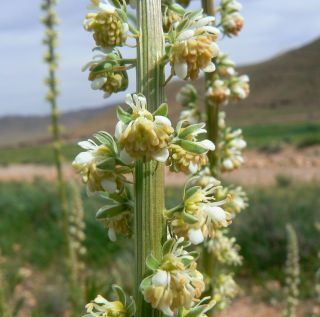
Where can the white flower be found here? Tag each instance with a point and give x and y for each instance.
(195, 236)
(161, 278)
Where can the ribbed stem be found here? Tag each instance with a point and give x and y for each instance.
(149, 176)
(212, 111)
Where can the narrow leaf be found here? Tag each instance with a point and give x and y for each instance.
(162, 110)
(152, 263)
(191, 129)
(121, 294)
(123, 115)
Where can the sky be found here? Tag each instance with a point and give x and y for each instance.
(272, 27)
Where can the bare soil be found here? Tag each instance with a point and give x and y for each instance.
(259, 169)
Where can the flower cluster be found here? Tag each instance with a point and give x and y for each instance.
(231, 145)
(100, 165)
(218, 93)
(117, 213)
(225, 66)
(231, 20)
(224, 249)
(108, 24)
(236, 198)
(142, 135)
(107, 73)
(187, 153)
(239, 87)
(77, 230)
(192, 45)
(292, 272)
(101, 307)
(225, 289)
(200, 215)
(175, 281)
(188, 98)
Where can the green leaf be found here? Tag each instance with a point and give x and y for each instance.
(116, 3)
(152, 263)
(192, 14)
(177, 8)
(146, 282)
(197, 311)
(123, 16)
(167, 246)
(123, 115)
(110, 211)
(131, 308)
(191, 129)
(182, 25)
(121, 294)
(189, 218)
(105, 138)
(102, 67)
(186, 262)
(162, 110)
(108, 164)
(192, 147)
(191, 191)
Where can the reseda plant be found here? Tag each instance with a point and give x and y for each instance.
(292, 274)
(127, 168)
(73, 224)
(223, 86)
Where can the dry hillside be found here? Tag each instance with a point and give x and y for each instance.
(284, 89)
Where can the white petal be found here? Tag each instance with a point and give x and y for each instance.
(181, 70)
(215, 48)
(125, 157)
(112, 235)
(211, 67)
(227, 164)
(109, 185)
(100, 300)
(185, 35)
(244, 78)
(210, 29)
(83, 158)
(98, 83)
(87, 145)
(193, 168)
(216, 213)
(160, 278)
(125, 28)
(107, 7)
(231, 71)
(129, 101)
(161, 156)
(204, 21)
(195, 236)
(106, 95)
(120, 127)
(162, 119)
(166, 310)
(207, 144)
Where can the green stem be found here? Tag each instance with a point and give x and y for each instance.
(212, 111)
(149, 176)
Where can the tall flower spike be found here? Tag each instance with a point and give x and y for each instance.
(142, 135)
(192, 45)
(225, 289)
(187, 153)
(200, 216)
(108, 24)
(231, 146)
(231, 20)
(224, 249)
(106, 73)
(292, 273)
(174, 282)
